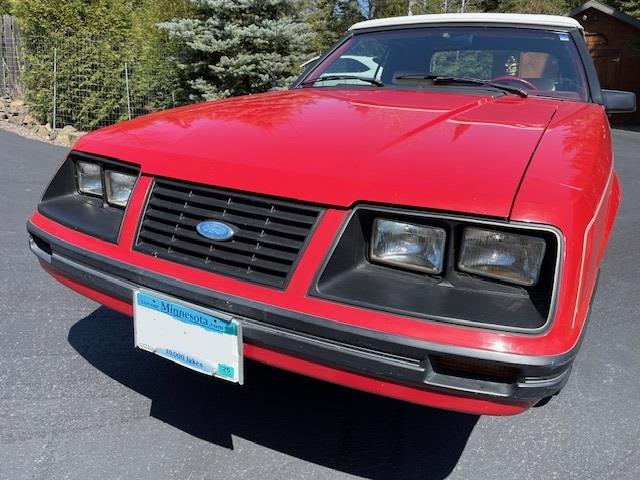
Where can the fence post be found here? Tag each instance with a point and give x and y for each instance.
(126, 83)
(3, 83)
(9, 39)
(55, 87)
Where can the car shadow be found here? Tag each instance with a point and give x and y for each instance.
(343, 429)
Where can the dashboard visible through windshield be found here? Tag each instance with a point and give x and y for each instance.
(539, 62)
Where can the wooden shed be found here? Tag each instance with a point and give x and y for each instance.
(613, 39)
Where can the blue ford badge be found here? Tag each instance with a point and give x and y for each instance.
(216, 231)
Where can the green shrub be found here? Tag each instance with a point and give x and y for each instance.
(92, 42)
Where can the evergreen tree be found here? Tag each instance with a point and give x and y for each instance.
(5, 7)
(234, 47)
(390, 8)
(92, 41)
(330, 20)
(421, 7)
(550, 7)
(87, 40)
(156, 82)
(394, 8)
(558, 7)
(630, 7)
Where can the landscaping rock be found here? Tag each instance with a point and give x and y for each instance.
(16, 119)
(42, 132)
(66, 135)
(16, 107)
(73, 137)
(15, 116)
(29, 120)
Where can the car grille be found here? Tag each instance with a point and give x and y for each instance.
(269, 241)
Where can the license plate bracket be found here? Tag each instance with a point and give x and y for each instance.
(198, 338)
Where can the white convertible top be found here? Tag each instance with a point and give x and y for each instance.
(507, 18)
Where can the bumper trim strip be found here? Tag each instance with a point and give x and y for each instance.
(398, 359)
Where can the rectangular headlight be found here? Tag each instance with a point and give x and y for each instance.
(89, 178)
(416, 247)
(119, 187)
(505, 256)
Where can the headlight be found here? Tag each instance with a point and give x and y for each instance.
(416, 247)
(119, 187)
(77, 195)
(506, 256)
(89, 178)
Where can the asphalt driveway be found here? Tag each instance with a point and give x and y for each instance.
(78, 402)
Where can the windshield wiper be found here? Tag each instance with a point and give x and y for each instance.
(372, 81)
(437, 79)
(416, 76)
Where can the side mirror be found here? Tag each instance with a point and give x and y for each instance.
(616, 101)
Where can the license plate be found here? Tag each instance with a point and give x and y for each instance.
(201, 339)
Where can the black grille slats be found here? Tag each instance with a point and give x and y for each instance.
(269, 241)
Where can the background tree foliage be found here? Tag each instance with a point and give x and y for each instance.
(86, 53)
(92, 41)
(551, 7)
(630, 7)
(330, 19)
(5, 7)
(233, 47)
(392, 8)
(156, 80)
(182, 50)
(388, 8)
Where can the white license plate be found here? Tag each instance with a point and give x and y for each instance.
(201, 339)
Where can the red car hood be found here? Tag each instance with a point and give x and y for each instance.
(442, 151)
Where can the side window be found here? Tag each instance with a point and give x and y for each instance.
(462, 63)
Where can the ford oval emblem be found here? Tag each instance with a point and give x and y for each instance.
(216, 231)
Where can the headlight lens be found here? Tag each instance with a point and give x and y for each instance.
(506, 256)
(416, 247)
(89, 178)
(119, 187)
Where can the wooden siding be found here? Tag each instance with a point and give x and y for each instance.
(618, 63)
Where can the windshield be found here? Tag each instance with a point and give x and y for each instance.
(540, 62)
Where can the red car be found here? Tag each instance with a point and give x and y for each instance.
(425, 224)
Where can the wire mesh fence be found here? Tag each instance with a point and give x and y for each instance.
(90, 82)
(93, 80)
(9, 58)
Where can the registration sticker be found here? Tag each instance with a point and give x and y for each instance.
(564, 37)
(198, 338)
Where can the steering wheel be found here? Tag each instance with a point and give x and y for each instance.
(517, 80)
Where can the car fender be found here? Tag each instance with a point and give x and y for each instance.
(571, 184)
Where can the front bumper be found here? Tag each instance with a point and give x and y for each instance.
(392, 365)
